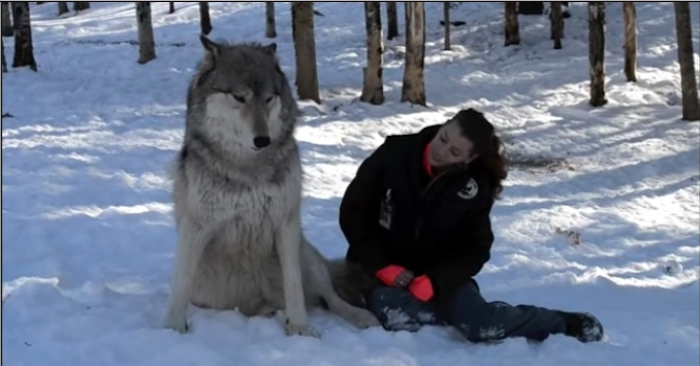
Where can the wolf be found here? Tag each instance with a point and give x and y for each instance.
(237, 185)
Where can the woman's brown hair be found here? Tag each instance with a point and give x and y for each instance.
(487, 145)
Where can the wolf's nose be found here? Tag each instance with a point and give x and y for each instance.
(261, 141)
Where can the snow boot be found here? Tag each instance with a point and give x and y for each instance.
(583, 326)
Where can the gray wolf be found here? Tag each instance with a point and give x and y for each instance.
(237, 185)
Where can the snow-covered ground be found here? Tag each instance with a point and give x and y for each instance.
(88, 240)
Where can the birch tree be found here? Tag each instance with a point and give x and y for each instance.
(204, 17)
(147, 44)
(686, 59)
(392, 20)
(413, 90)
(446, 15)
(81, 5)
(4, 64)
(63, 7)
(630, 12)
(596, 52)
(557, 26)
(305, 50)
(7, 30)
(512, 28)
(373, 85)
(24, 48)
(270, 26)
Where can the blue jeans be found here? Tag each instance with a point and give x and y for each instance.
(468, 312)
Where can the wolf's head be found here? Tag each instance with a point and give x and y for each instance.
(240, 97)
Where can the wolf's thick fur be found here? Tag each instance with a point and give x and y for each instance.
(237, 195)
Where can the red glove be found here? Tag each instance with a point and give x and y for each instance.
(422, 288)
(389, 273)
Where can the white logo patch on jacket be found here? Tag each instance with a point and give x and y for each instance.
(469, 191)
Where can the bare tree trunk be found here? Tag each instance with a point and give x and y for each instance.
(4, 64)
(7, 30)
(413, 90)
(373, 85)
(392, 20)
(305, 50)
(446, 15)
(147, 44)
(270, 27)
(686, 59)
(557, 28)
(630, 11)
(62, 7)
(171, 7)
(596, 52)
(512, 26)
(24, 49)
(204, 17)
(81, 5)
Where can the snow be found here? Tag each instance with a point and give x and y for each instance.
(601, 214)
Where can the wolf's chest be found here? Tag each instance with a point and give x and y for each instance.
(252, 205)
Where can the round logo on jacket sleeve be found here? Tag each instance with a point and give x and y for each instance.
(469, 191)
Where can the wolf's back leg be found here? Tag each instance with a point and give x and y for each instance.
(319, 282)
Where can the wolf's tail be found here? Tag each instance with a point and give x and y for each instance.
(350, 281)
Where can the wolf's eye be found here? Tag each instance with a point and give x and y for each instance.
(269, 99)
(239, 98)
(222, 90)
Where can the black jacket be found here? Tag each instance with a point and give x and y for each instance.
(392, 213)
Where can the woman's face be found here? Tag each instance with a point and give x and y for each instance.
(449, 147)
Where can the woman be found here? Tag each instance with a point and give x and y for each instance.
(416, 217)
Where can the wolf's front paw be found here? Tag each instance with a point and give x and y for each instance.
(362, 318)
(301, 329)
(296, 329)
(178, 324)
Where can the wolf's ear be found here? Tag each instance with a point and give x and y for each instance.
(211, 53)
(209, 45)
(270, 49)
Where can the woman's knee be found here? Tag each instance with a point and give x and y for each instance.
(397, 310)
(384, 297)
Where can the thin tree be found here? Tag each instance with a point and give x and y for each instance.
(4, 64)
(557, 24)
(62, 7)
(147, 44)
(413, 90)
(270, 27)
(373, 85)
(446, 15)
(204, 17)
(512, 28)
(686, 59)
(596, 52)
(81, 5)
(7, 30)
(24, 49)
(630, 12)
(392, 20)
(171, 7)
(305, 50)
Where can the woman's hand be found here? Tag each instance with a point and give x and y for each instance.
(403, 279)
(395, 276)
